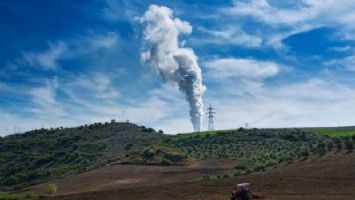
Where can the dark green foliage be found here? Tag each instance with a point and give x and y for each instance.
(40, 155)
(256, 149)
(353, 138)
(349, 146)
(157, 156)
(9, 197)
(31, 196)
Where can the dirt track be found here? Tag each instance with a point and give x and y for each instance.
(326, 178)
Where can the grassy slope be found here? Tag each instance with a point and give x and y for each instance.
(333, 132)
(155, 155)
(37, 156)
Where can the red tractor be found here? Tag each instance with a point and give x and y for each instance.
(242, 192)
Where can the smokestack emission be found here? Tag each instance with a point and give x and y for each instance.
(175, 64)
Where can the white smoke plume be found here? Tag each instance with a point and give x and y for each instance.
(175, 64)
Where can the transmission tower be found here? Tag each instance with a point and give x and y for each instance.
(210, 118)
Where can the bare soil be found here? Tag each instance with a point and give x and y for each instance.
(330, 177)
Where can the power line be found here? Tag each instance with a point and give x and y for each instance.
(210, 118)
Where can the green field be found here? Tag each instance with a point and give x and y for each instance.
(333, 132)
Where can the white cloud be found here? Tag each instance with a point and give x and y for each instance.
(104, 41)
(99, 85)
(47, 59)
(347, 62)
(230, 36)
(314, 102)
(240, 67)
(307, 11)
(346, 48)
(44, 99)
(282, 21)
(116, 10)
(69, 49)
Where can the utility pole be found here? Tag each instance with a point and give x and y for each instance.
(210, 118)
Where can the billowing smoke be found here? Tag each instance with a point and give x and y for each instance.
(175, 64)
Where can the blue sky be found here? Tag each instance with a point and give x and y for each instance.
(270, 63)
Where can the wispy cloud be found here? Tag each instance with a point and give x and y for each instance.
(121, 10)
(240, 68)
(313, 102)
(44, 99)
(47, 59)
(97, 84)
(347, 62)
(283, 21)
(69, 49)
(228, 36)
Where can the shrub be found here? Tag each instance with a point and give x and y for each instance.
(206, 177)
(226, 175)
(31, 196)
(167, 162)
(237, 173)
(148, 154)
(330, 146)
(353, 138)
(349, 146)
(52, 189)
(241, 167)
(9, 197)
(338, 145)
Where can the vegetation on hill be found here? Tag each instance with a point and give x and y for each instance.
(40, 155)
(336, 132)
(157, 156)
(259, 149)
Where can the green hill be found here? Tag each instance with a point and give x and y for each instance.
(40, 155)
(37, 156)
(259, 149)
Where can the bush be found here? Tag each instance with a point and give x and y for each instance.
(31, 196)
(330, 146)
(353, 138)
(237, 173)
(9, 197)
(206, 177)
(226, 175)
(349, 146)
(167, 162)
(52, 189)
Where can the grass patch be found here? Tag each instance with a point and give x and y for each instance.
(333, 132)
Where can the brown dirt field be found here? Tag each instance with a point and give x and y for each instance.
(125, 176)
(330, 177)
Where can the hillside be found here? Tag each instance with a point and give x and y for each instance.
(259, 149)
(155, 155)
(40, 155)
